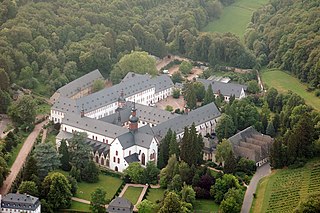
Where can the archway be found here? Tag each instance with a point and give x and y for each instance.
(116, 168)
(97, 159)
(102, 161)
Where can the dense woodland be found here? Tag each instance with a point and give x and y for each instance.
(45, 44)
(285, 34)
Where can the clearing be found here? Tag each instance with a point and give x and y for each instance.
(108, 183)
(155, 195)
(133, 194)
(235, 18)
(283, 82)
(284, 189)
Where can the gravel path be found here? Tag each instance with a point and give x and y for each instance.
(261, 172)
(21, 158)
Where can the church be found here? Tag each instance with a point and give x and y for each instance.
(121, 123)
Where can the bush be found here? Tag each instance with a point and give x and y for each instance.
(176, 93)
(317, 93)
(169, 108)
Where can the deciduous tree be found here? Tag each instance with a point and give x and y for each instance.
(23, 111)
(98, 201)
(28, 187)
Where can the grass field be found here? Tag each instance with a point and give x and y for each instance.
(80, 207)
(108, 183)
(235, 17)
(132, 194)
(284, 82)
(205, 206)
(284, 189)
(155, 194)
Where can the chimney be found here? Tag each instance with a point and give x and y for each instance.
(82, 113)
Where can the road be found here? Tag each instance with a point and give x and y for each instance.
(261, 172)
(21, 158)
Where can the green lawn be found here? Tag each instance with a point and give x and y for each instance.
(284, 82)
(132, 194)
(284, 189)
(80, 207)
(43, 109)
(235, 17)
(14, 153)
(205, 206)
(108, 183)
(155, 194)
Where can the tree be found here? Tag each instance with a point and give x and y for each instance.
(98, 201)
(271, 98)
(188, 194)
(136, 172)
(191, 146)
(47, 158)
(5, 101)
(171, 204)
(209, 96)
(247, 166)
(28, 187)
(222, 185)
(190, 97)
(174, 146)
(137, 62)
(232, 201)
(90, 173)
(223, 151)
(30, 169)
(176, 183)
(185, 172)
(97, 85)
(164, 150)
(230, 164)
(225, 127)
(151, 173)
(310, 204)
(73, 184)
(270, 130)
(176, 93)
(253, 87)
(23, 111)
(200, 90)
(185, 67)
(146, 206)
(65, 158)
(5, 81)
(4, 170)
(177, 77)
(57, 190)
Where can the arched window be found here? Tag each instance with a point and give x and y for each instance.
(143, 159)
(116, 168)
(97, 159)
(114, 159)
(116, 153)
(118, 160)
(102, 161)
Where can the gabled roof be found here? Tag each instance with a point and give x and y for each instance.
(83, 82)
(120, 204)
(226, 89)
(93, 125)
(135, 138)
(20, 201)
(64, 104)
(132, 158)
(198, 116)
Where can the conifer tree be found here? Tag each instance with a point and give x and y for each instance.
(65, 158)
(209, 96)
(230, 163)
(164, 150)
(270, 129)
(30, 169)
(174, 146)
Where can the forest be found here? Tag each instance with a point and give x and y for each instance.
(285, 35)
(45, 44)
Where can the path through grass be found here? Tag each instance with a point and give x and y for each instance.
(283, 82)
(132, 194)
(284, 189)
(235, 17)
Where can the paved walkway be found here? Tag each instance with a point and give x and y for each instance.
(261, 172)
(84, 201)
(21, 158)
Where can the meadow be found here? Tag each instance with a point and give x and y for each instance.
(235, 18)
(284, 82)
(284, 189)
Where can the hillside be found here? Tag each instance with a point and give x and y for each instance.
(285, 35)
(235, 17)
(282, 190)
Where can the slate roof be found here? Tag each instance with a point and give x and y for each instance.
(226, 89)
(132, 158)
(66, 105)
(79, 84)
(251, 144)
(93, 125)
(120, 204)
(20, 201)
(135, 138)
(99, 147)
(197, 116)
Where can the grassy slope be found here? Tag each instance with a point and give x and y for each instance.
(133, 193)
(155, 194)
(284, 82)
(108, 183)
(270, 186)
(235, 17)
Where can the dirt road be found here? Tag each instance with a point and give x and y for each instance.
(21, 158)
